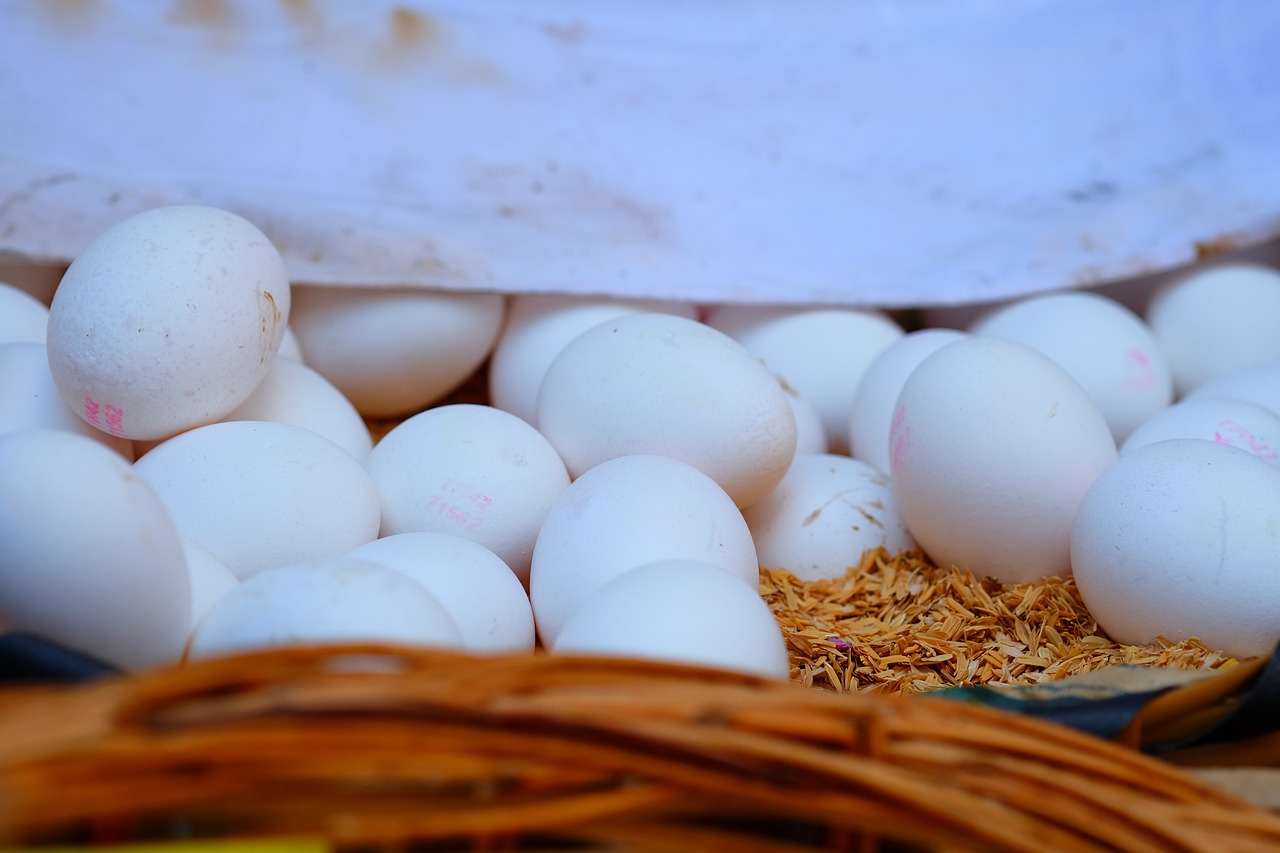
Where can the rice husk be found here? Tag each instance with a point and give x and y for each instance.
(898, 623)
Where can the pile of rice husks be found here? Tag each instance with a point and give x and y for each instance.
(900, 624)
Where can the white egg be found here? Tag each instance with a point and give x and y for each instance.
(29, 398)
(22, 317)
(1177, 540)
(339, 601)
(1238, 423)
(470, 470)
(650, 383)
(210, 580)
(88, 555)
(824, 515)
(168, 320)
(295, 394)
(1216, 320)
(992, 447)
(876, 396)
(537, 327)
(679, 611)
(1106, 347)
(1258, 384)
(289, 346)
(483, 596)
(821, 352)
(395, 350)
(626, 512)
(257, 494)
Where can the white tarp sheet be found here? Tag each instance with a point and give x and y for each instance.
(873, 152)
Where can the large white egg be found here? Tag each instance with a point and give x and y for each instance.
(1238, 423)
(537, 327)
(22, 316)
(88, 554)
(483, 596)
(1107, 348)
(29, 399)
(650, 383)
(1216, 320)
(626, 512)
(395, 350)
(470, 470)
(338, 601)
(168, 320)
(1178, 539)
(821, 352)
(295, 394)
(871, 415)
(992, 446)
(257, 494)
(824, 515)
(679, 611)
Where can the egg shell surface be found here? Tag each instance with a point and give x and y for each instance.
(992, 447)
(22, 316)
(824, 515)
(1237, 423)
(395, 350)
(626, 512)
(471, 470)
(90, 557)
(680, 611)
(337, 601)
(29, 399)
(537, 327)
(1216, 320)
(1178, 539)
(168, 320)
(1106, 347)
(295, 394)
(483, 596)
(650, 383)
(1258, 384)
(210, 580)
(257, 494)
(821, 352)
(871, 414)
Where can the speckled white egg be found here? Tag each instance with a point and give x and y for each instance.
(650, 383)
(168, 320)
(626, 512)
(88, 554)
(876, 396)
(824, 515)
(22, 316)
(483, 596)
(337, 601)
(679, 611)
(992, 446)
(470, 470)
(821, 352)
(1216, 320)
(295, 394)
(1107, 348)
(257, 494)
(1238, 423)
(537, 327)
(395, 350)
(30, 400)
(1178, 539)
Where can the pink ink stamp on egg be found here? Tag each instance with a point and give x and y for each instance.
(899, 437)
(1145, 377)
(460, 503)
(91, 410)
(1230, 431)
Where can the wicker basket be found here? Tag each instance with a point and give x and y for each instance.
(374, 747)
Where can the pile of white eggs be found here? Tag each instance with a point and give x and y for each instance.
(186, 468)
